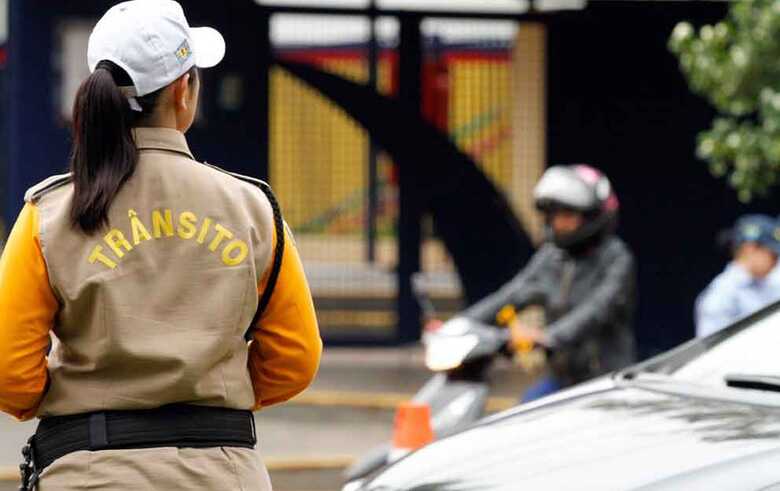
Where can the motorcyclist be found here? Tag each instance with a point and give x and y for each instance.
(583, 276)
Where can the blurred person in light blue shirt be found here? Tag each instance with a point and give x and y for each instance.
(751, 280)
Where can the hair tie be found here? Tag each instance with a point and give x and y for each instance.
(131, 95)
(121, 79)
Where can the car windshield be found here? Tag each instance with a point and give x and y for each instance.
(750, 347)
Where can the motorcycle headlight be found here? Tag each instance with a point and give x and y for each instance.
(445, 352)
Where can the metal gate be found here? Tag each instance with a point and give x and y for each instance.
(481, 82)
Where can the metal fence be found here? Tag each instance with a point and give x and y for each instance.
(482, 84)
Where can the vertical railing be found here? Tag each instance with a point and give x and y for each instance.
(373, 151)
(410, 208)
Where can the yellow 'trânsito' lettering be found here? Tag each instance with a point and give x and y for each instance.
(222, 233)
(204, 230)
(97, 255)
(116, 240)
(139, 230)
(187, 228)
(160, 224)
(233, 254)
(242, 248)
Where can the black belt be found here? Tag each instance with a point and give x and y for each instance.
(178, 425)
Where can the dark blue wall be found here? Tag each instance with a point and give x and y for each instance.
(3, 121)
(37, 144)
(617, 99)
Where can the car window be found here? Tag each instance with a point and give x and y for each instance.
(754, 350)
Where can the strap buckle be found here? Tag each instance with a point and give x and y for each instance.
(28, 469)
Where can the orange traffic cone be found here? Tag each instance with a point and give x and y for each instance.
(412, 426)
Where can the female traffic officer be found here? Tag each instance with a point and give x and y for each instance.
(152, 271)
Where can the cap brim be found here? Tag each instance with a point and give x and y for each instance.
(209, 46)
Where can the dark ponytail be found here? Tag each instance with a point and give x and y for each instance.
(104, 154)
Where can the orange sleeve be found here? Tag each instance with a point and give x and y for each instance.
(285, 350)
(27, 310)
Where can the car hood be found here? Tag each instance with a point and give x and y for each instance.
(599, 436)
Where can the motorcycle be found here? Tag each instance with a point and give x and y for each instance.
(459, 352)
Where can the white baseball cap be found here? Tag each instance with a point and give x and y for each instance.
(152, 41)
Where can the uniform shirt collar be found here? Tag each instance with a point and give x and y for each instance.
(161, 139)
(740, 275)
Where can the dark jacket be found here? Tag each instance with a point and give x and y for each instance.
(589, 301)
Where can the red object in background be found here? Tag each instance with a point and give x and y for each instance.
(435, 95)
(412, 426)
(3, 56)
(436, 92)
(393, 176)
(433, 325)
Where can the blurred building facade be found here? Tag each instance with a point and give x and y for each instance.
(472, 74)
(514, 85)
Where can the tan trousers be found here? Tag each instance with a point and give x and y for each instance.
(220, 468)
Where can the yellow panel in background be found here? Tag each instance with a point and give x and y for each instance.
(319, 154)
(318, 167)
(480, 114)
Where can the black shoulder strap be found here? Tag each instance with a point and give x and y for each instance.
(276, 266)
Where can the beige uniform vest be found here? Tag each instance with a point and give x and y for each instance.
(154, 307)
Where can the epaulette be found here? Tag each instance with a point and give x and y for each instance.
(251, 180)
(279, 226)
(49, 184)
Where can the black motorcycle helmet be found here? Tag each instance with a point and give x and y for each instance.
(583, 189)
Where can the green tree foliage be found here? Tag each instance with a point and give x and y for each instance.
(735, 64)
